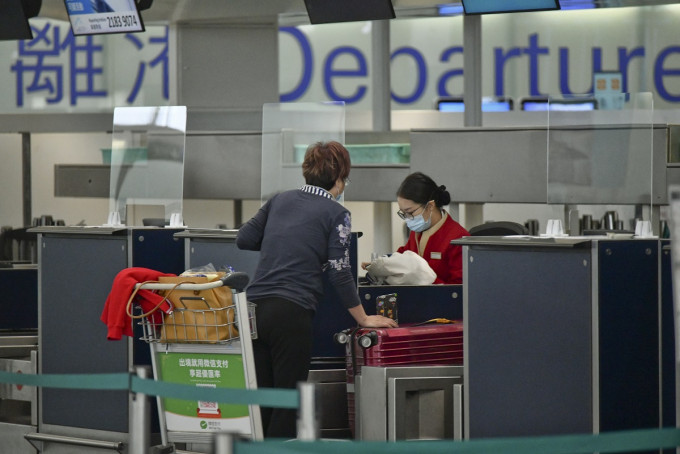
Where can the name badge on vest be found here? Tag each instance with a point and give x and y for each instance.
(435, 255)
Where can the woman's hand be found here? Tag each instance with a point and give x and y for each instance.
(364, 265)
(378, 321)
(371, 321)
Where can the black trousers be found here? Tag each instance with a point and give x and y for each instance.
(282, 353)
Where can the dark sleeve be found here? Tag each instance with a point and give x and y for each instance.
(251, 233)
(339, 267)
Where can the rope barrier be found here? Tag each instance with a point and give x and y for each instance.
(117, 381)
(628, 441)
(624, 441)
(266, 397)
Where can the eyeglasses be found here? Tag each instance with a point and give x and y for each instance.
(347, 181)
(409, 215)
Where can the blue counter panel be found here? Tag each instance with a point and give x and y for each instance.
(566, 337)
(528, 342)
(628, 335)
(19, 299)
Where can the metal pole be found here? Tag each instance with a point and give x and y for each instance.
(472, 95)
(223, 443)
(26, 250)
(382, 222)
(238, 213)
(140, 426)
(458, 412)
(380, 69)
(26, 177)
(307, 424)
(472, 64)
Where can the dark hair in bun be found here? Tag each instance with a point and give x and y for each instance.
(421, 189)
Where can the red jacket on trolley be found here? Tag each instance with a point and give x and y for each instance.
(444, 258)
(115, 314)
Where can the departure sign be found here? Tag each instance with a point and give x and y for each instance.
(94, 17)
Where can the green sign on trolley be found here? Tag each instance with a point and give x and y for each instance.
(210, 370)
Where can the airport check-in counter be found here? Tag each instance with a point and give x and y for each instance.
(564, 336)
(417, 304)
(77, 267)
(18, 354)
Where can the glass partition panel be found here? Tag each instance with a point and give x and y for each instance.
(147, 164)
(601, 155)
(287, 130)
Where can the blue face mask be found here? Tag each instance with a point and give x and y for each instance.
(341, 198)
(418, 223)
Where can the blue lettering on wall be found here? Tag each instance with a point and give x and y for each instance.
(444, 79)
(87, 72)
(534, 51)
(307, 65)
(36, 74)
(421, 81)
(565, 71)
(624, 62)
(501, 58)
(330, 73)
(660, 72)
(597, 60)
(42, 76)
(160, 59)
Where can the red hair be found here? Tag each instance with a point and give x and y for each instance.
(325, 163)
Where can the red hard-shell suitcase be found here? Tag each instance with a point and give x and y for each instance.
(424, 344)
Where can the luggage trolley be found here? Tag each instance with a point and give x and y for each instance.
(193, 356)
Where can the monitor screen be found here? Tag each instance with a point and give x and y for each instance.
(98, 17)
(505, 6)
(543, 104)
(488, 105)
(14, 20)
(451, 105)
(331, 11)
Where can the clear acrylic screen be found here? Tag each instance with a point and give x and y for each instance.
(147, 159)
(601, 154)
(287, 131)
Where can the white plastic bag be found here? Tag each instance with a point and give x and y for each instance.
(407, 268)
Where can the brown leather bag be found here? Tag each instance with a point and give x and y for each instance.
(205, 316)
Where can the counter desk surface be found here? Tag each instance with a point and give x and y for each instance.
(542, 241)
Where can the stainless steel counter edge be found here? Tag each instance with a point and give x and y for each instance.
(527, 241)
(208, 233)
(88, 230)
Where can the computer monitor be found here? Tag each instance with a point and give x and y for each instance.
(331, 11)
(456, 104)
(544, 104)
(101, 17)
(505, 6)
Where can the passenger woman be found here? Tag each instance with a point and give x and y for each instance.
(301, 234)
